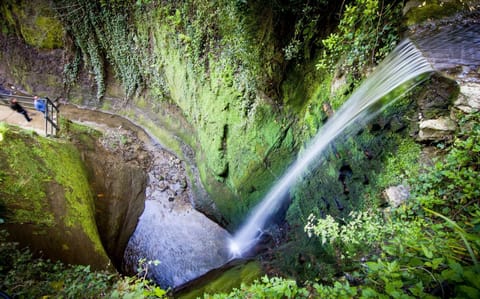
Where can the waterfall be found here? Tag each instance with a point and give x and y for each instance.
(402, 66)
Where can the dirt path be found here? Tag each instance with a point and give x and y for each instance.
(11, 117)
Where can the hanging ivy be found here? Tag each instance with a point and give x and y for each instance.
(101, 34)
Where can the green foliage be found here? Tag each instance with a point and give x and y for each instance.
(77, 19)
(71, 70)
(228, 54)
(338, 290)
(416, 250)
(7, 22)
(270, 288)
(359, 231)
(453, 182)
(102, 34)
(367, 32)
(308, 22)
(400, 165)
(23, 276)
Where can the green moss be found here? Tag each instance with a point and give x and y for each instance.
(65, 162)
(434, 10)
(31, 164)
(232, 278)
(35, 21)
(141, 103)
(106, 105)
(46, 33)
(7, 21)
(234, 128)
(24, 181)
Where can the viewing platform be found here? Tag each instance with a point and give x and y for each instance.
(44, 123)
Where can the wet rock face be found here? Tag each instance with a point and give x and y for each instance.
(145, 203)
(469, 98)
(54, 215)
(117, 161)
(437, 129)
(434, 109)
(185, 242)
(32, 67)
(117, 165)
(437, 99)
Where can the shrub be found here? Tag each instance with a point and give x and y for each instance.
(23, 276)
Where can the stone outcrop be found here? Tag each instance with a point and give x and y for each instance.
(51, 210)
(469, 98)
(436, 129)
(118, 177)
(396, 195)
(145, 202)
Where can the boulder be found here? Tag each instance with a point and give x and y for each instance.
(396, 195)
(469, 98)
(436, 129)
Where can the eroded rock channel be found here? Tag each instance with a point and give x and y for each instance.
(145, 204)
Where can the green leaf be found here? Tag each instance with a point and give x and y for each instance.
(469, 291)
(451, 275)
(472, 278)
(392, 288)
(159, 292)
(427, 252)
(373, 266)
(369, 293)
(436, 262)
(417, 290)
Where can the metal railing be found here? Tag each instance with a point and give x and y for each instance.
(51, 117)
(51, 110)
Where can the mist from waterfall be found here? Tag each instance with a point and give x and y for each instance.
(403, 66)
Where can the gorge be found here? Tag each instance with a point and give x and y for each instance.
(185, 115)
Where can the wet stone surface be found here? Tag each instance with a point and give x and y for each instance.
(185, 242)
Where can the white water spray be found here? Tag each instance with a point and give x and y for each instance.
(403, 65)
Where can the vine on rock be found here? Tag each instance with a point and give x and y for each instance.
(101, 34)
(366, 34)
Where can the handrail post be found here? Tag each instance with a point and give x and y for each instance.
(46, 118)
(49, 105)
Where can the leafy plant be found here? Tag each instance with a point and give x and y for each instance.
(415, 250)
(367, 32)
(23, 276)
(361, 230)
(102, 35)
(270, 288)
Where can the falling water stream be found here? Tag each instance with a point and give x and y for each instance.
(176, 234)
(403, 66)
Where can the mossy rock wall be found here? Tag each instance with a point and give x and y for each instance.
(235, 130)
(214, 73)
(237, 135)
(35, 21)
(116, 163)
(35, 52)
(46, 199)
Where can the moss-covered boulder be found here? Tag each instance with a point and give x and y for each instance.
(35, 21)
(116, 160)
(417, 11)
(47, 203)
